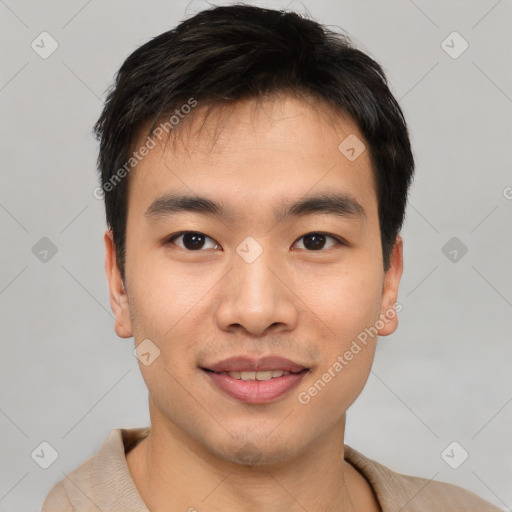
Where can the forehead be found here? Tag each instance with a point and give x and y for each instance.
(256, 152)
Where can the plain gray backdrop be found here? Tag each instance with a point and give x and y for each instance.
(443, 377)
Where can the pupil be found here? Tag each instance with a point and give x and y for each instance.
(317, 241)
(193, 240)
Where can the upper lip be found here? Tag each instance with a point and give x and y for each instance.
(248, 364)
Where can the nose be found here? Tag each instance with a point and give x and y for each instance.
(257, 297)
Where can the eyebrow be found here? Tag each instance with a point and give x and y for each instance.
(340, 205)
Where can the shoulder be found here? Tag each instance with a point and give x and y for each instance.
(103, 482)
(57, 499)
(71, 492)
(423, 494)
(396, 491)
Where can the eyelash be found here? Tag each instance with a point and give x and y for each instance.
(339, 241)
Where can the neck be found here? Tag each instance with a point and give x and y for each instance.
(170, 468)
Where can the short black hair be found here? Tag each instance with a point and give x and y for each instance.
(230, 53)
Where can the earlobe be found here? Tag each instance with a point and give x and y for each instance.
(389, 310)
(118, 295)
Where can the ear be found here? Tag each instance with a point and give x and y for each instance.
(118, 296)
(389, 309)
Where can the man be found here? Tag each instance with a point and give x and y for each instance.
(255, 168)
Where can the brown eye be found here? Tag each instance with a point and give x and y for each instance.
(193, 241)
(317, 241)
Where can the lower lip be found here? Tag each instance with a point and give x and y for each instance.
(256, 391)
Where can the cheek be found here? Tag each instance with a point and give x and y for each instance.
(164, 299)
(170, 307)
(348, 306)
(347, 300)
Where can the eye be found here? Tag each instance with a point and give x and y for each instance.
(317, 241)
(192, 241)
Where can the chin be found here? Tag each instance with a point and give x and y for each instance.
(253, 452)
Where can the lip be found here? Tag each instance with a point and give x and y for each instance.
(256, 391)
(248, 364)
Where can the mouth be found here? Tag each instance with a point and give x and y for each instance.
(257, 375)
(255, 381)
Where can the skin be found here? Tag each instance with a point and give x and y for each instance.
(207, 450)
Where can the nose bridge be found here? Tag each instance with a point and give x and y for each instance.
(256, 282)
(254, 297)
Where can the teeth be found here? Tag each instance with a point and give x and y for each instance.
(263, 375)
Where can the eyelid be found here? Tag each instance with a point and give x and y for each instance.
(170, 239)
(339, 240)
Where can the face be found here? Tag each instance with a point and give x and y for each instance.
(253, 245)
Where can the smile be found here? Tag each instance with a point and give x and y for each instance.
(261, 375)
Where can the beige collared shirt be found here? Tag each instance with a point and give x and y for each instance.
(103, 484)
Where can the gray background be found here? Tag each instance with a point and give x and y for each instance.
(443, 376)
